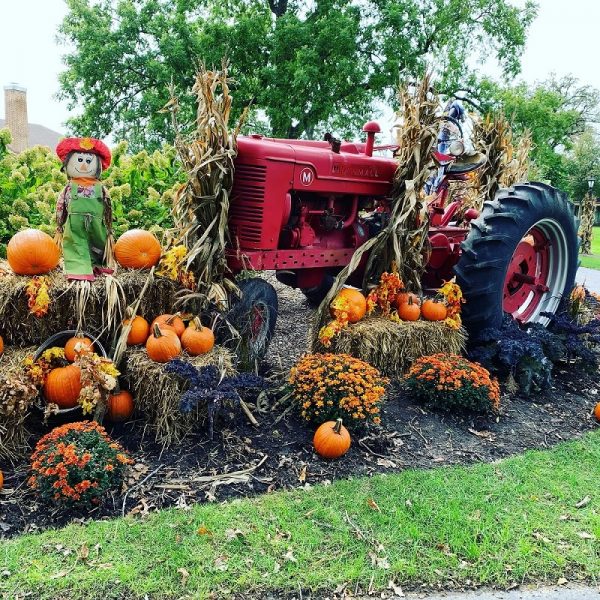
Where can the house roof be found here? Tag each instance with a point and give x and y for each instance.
(40, 135)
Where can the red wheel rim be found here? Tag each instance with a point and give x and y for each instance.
(526, 282)
(257, 321)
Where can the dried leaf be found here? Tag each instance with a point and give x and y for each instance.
(184, 575)
(395, 588)
(202, 530)
(302, 476)
(289, 556)
(562, 581)
(234, 534)
(83, 552)
(584, 535)
(583, 502)
(372, 504)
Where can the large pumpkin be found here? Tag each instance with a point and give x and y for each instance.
(77, 345)
(120, 406)
(357, 304)
(139, 332)
(137, 249)
(63, 385)
(433, 311)
(331, 440)
(163, 345)
(173, 322)
(197, 339)
(32, 252)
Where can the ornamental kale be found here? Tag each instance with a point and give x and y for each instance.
(208, 384)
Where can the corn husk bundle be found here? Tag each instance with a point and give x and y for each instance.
(201, 206)
(158, 394)
(507, 161)
(17, 394)
(404, 240)
(392, 347)
(72, 305)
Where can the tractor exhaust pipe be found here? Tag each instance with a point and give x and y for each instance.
(370, 128)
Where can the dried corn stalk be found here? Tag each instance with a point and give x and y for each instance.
(201, 206)
(586, 227)
(404, 240)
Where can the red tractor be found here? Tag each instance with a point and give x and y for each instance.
(301, 208)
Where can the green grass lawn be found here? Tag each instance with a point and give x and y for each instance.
(493, 524)
(592, 261)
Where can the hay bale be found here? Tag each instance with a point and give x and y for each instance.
(157, 393)
(16, 397)
(19, 327)
(393, 347)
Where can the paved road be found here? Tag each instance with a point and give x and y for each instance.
(554, 593)
(589, 277)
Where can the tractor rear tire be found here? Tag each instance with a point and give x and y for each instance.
(254, 315)
(520, 257)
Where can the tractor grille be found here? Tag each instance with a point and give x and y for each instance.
(247, 203)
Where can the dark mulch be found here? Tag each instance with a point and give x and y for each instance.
(411, 437)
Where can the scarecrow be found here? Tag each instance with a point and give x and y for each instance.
(83, 210)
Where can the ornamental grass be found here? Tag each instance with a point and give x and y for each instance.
(450, 381)
(76, 465)
(331, 386)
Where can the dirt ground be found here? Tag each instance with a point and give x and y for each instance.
(243, 460)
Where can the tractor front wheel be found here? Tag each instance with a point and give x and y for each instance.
(520, 257)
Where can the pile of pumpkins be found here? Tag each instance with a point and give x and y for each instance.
(33, 252)
(408, 305)
(167, 336)
(63, 384)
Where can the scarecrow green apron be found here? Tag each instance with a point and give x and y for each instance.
(85, 234)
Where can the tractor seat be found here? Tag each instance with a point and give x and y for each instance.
(466, 163)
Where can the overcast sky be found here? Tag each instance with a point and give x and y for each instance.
(563, 39)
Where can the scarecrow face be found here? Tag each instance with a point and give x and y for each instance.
(83, 164)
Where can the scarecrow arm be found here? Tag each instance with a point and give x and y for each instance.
(62, 207)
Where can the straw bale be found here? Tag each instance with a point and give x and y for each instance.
(157, 393)
(393, 347)
(20, 328)
(16, 396)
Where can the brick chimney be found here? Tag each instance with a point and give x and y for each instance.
(15, 107)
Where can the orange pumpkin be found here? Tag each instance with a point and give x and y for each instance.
(403, 298)
(357, 304)
(163, 345)
(77, 345)
(409, 311)
(139, 332)
(1, 480)
(331, 440)
(597, 411)
(32, 252)
(63, 385)
(434, 311)
(1, 346)
(173, 322)
(137, 249)
(120, 406)
(196, 339)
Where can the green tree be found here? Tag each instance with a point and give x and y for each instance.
(303, 66)
(584, 162)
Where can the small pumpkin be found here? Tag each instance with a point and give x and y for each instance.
(77, 345)
(120, 406)
(32, 252)
(137, 249)
(1, 480)
(1, 346)
(434, 311)
(597, 411)
(409, 311)
(403, 297)
(163, 345)
(357, 304)
(331, 440)
(197, 339)
(139, 332)
(63, 385)
(173, 322)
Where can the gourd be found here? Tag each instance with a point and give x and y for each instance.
(357, 304)
(163, 345)
(120, 406)
(173, 322)
(433, 311)
(409, 311)
(32, 252)
(197, 339)
(63, 385)
(72, 350)
(139, 332)
(331, 439)
(137, 249)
